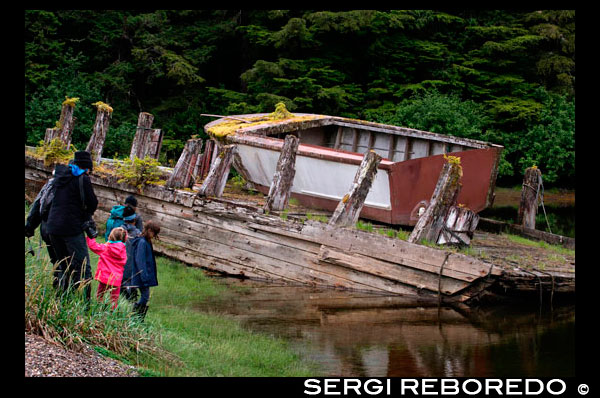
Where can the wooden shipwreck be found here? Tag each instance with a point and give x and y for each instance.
(330, 149)
(251, 240)
(238, 239)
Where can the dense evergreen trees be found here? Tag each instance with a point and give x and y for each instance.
(503, 76)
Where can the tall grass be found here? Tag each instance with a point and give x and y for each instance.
(68, 318)
(174, 340)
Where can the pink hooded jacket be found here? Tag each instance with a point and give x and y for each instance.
(111, 262)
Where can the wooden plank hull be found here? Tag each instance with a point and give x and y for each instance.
(225, 237)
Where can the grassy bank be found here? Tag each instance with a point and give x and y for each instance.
(174, 340)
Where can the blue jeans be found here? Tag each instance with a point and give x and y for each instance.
(144, 296)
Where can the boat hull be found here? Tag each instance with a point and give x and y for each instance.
(324, 175)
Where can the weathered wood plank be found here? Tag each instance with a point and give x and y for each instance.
(431, 222)
(409, 276)
(348, 210)
(186, 166)
(65, 126)
(283, 179)
(529, 195)
(139, 147)
(96, 143)
(462, 222)
(215, 181)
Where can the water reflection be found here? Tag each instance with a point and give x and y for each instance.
(361, 335)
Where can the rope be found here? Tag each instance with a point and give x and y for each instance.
(454, 235)
(541, 183)
(440, 279)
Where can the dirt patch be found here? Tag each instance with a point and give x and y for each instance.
(506, 252)
(512, 197)
(48, 359)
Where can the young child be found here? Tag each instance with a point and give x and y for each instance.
(112, 260)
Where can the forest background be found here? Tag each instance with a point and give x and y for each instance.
(506, 77)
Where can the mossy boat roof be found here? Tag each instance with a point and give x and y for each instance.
(265, 124)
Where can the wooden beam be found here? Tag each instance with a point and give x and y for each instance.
(65, 126)
(96, 142)
(283, 179)
(186, 168)
(348, 210)
(529, 194)
(140, 141)
(338, 138)
(444, 196)
(407, 148)
(354, 139)
(215, 181)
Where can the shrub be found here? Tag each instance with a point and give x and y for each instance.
(139, 172)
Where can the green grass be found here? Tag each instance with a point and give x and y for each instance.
(556, 248)
(175, 339)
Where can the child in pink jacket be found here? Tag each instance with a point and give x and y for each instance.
(111, 263)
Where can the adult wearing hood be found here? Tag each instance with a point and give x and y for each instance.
(38, 216)
(65, 223)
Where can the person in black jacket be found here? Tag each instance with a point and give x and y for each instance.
(37, 217)
(65, 223)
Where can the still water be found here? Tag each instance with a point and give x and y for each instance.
(362, 335)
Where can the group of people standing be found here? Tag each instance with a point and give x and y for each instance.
(64, 208)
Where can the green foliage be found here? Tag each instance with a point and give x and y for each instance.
(54, 151)
(368, 64)
(139, 172)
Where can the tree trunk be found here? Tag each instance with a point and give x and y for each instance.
(431, 222)
(348, 210)
(529, 193)
(65, 128)
(140, 141)
(214, 184)
(283, 179)
(186, 167)
(96, 143)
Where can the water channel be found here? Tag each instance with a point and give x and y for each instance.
(352, 334)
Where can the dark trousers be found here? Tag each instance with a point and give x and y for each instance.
(144, 296)
(73, 268)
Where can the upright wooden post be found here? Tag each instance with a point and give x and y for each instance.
(529, 194)
(432, 221)
(215, 181)
(283, 179)
(348, 210)
(147, 141)
(96, 143)
(209, 148)
(186, 168)
(64, 127)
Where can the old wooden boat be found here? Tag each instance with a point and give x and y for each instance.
(238, 239)
(331, 148)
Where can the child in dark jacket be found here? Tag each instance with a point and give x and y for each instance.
(111, 263)
(144, 265)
